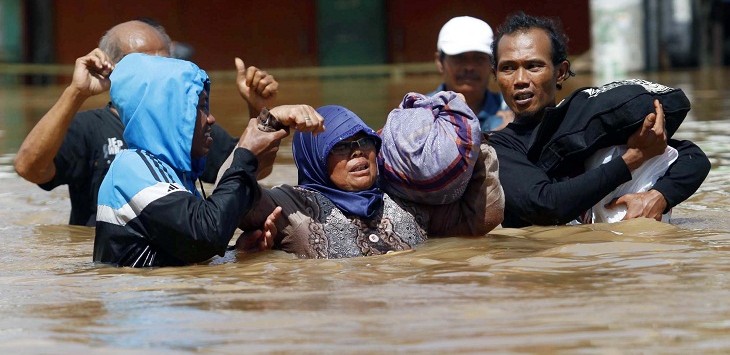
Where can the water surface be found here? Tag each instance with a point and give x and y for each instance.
(633, 287)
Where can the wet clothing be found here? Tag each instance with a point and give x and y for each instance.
(149, 211)
(319, 220)
(493, 102)
(534, 197)
(317, 229)
(93, 140)
(314, 227)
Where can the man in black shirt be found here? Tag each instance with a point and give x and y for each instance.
(67, 147)
(530, 61)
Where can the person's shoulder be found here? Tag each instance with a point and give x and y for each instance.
(492, 98)
(298, 199)
(493, 102)
(123, 175)
(126, 162)
(402, 201)
(136, 164)
(97, 119)
(134, 170)
(297, 190)
(95, 114)
(506, 140)
(304, 196)
(134, 176)
(501, 136)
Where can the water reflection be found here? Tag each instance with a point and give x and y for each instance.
(637, 286)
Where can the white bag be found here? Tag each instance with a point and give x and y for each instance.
(642, 179)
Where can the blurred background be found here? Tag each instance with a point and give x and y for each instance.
(621, 35)
(363, 54)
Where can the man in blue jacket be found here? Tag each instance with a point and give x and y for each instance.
(149, 211)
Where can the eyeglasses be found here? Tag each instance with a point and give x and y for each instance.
(344, 148)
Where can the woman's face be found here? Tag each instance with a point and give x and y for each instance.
(351, 163)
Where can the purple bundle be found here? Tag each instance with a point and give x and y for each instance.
(430, 146)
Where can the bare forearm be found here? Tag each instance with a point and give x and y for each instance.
(34, 161)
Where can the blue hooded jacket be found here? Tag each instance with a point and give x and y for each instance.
(149, 211)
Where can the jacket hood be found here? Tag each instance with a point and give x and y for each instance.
(157, 100)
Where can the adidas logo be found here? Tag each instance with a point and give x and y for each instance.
(172, 188)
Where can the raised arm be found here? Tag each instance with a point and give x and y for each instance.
(256, 86)
(301, 117)
(34, 161)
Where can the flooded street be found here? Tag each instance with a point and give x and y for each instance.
(633, 287)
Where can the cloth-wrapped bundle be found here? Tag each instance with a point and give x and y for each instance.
(430, 146)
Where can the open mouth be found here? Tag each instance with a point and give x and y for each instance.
(360, 167)
(208, 138)
(523, 97)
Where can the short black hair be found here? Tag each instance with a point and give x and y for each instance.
(521, 22)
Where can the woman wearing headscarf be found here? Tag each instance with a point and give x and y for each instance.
(339, 211)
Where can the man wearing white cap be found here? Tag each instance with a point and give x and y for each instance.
(463, 57)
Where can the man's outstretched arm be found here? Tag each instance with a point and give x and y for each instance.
(34, 161)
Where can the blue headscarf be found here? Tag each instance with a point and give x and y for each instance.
(310, 155)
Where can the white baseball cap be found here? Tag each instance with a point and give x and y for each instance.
(465, 34)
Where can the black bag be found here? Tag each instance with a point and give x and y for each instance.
(598, 117)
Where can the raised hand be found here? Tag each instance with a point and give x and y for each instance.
(256, 86)
(303, 118)
(260, 143)
(648, 141)
(91, 73)
(34, 161)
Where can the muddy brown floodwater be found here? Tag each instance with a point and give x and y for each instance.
(632, 287)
